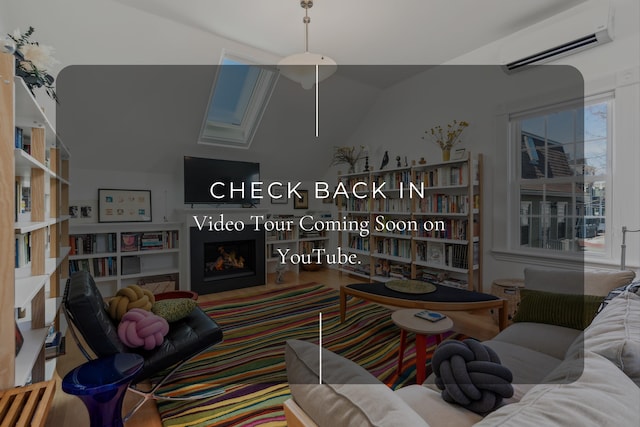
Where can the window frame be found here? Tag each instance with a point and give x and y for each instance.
(514, 155)
(239, 136)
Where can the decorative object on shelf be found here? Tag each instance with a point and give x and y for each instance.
(398, 162)
(301, 67)
(280, 270)
(348, 155)
(446, 138)
(301, 202)
(385, 160)
(33, 60)
(124, 205)
(422, 161)
(410, 286)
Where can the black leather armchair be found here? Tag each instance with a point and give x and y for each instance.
(87, 313)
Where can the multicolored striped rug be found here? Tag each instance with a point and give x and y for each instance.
(249, 364)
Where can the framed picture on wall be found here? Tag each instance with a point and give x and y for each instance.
(282, 200)
(301, 202)
(115, 205)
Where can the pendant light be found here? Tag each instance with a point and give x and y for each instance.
(301, 67)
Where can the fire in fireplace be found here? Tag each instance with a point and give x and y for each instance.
(228, 259)
(224, 260)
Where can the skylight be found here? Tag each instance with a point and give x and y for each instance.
(240, 94)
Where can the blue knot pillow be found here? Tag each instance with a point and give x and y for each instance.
(470, 374)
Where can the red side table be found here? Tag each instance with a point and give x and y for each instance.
(408, 322)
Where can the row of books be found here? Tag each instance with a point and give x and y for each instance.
(456, 229)
(440, 277)
(444, 203)
(359, 243)
(392, 180)
(148, 241)
(444, 176)
(85, 244)
(97, 267)
(391, 205)
(450, 255)
(385, 268)
(280, 235)
(394, 247)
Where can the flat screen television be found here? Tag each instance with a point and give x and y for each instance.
(200, 174)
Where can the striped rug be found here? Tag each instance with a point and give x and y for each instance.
(249, 364)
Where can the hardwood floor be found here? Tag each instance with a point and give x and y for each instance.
(68, 410)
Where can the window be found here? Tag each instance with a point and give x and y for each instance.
(561, 176)
(240, 94)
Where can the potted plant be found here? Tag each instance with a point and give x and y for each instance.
(348, 155)
(447, 137)
(33, 60)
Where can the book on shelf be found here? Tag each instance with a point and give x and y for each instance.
(151, 241)
(22, 249)
(18, 140)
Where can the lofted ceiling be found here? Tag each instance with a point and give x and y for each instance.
(361, 31)
(155, 118)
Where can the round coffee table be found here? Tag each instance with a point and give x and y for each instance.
(407, 322)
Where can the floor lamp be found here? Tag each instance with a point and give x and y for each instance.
(623, 247)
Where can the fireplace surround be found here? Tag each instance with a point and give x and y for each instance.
(226, 260)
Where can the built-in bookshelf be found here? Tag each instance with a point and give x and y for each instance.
(35, 171)
(434, 235)
(119, 255)
(298, 241)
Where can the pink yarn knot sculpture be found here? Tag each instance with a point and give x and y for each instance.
(140, 328)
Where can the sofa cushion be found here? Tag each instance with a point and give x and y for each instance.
(548, 339)
(615, 334)
(602, 395)
(631, 287)
(529, 367)
(429, 405)
(348, 395)
(576, 282)
(567, 310)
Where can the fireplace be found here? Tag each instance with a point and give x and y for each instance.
(222, 261)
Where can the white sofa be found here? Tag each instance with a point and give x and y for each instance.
(561, 375)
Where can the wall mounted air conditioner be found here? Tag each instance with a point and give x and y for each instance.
(582, 27)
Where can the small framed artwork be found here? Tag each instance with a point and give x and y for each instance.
(129, 242)
(301, 202)
(435, 253)
(83, 211)
(459, 154)
(282, 199)
(116, 205)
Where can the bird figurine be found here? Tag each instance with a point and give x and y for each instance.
(385, 160)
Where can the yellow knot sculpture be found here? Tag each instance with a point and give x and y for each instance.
(132, 296)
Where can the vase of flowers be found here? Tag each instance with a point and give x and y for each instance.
(33, 60)
(447, 137)
(348, 155)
